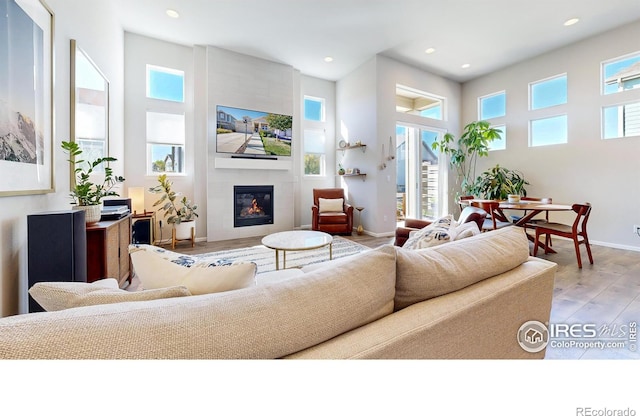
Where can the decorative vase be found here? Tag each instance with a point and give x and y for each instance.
(513, 199)
(183, 230)
(341, 171)
(92, 213)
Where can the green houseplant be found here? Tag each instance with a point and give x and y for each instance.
(86, 194)
(176, 209)
(464, 152)
(499, 182)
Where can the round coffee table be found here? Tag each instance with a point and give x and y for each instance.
(296, 241)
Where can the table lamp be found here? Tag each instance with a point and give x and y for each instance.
(137, 199)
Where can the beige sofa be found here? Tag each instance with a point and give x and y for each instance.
(464, 299)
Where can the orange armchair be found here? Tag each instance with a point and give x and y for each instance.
(327, 215)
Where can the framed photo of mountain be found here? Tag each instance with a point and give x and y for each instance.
(26, 97)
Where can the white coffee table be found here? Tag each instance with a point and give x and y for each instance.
(296, 241)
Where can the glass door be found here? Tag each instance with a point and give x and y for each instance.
(419, 174)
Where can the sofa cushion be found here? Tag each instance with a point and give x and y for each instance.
(330, 205)
(426, 273)
(56, 296)
(266, 321)
(155, 270)
(333, 218)
(438, 232)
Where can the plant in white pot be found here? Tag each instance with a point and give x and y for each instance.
(86, 194)
(179, 212)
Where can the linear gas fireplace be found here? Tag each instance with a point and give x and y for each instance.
(253, 205)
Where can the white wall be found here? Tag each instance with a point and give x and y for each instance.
(94, 26)
(140, 51)
(587, 168)
(242, 81)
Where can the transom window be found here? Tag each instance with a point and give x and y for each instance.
(165, 83)
(620, 74)
(548, 92)
(492, 106)
(548, 131)
(314, 109)
(412, 101)
(501, 143)
(621, 120)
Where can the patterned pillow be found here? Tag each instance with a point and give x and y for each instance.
(438, 232)
(158, 268)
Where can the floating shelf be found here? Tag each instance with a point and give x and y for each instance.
(351, 175)
(355, 146)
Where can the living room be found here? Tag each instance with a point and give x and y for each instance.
(363, 102)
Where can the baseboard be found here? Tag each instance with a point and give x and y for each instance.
(613, 245)
(369, 233)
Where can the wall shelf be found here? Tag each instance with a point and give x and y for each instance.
(351, 175)
(354, 146)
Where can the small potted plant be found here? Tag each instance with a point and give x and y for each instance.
(179, 212)
(499, 183)
(88, 195)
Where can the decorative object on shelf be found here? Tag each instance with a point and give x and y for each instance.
(341, 170)
(383, 164)
(360, 229)
(342, 144)
(176, 211)
(356, 171)
(349, 171)
(88, 195)
(391, 156)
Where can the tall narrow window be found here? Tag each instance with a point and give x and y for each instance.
(492, 106)
(621, 74)
(314, 108)
(314, 152)
(547, 131)
(547, 93)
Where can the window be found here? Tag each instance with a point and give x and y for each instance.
(313, 108)
(165, 84)
(314, 157)
(621, 74)
(548, 93)
(165, 142)
(492, 106)
(546, 131)
(412, 101)
(501, 143)
(621, 120)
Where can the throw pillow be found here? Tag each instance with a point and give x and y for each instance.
(438, 232)
(155, 270)
(468, 229)
(330, 205)
(56, 296)
(427, 273)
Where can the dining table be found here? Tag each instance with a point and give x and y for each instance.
(530, 208)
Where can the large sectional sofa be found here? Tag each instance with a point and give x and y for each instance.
(465, 299)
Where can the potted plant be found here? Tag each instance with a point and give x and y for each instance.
(463, 156)
(86, 194)
(498, 183)
(179, 212)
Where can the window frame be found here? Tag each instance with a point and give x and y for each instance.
(541, 81)
(495, 94)
(603, 84)
(322, 155)
(531, 138)
(323, 107)
(167, 70)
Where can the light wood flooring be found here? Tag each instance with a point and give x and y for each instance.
(605, 293)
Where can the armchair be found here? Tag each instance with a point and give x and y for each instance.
(330, 215)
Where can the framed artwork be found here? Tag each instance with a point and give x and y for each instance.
(26, 97)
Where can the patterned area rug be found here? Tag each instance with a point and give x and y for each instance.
(265, 257)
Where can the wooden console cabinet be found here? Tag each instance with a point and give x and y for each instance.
(108, 250)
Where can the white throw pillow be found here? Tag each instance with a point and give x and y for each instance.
(438, 232)
(56, 296)
(468, 229)
(155, 270)
(330, 205)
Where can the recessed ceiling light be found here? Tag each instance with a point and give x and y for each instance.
(571, 21)
(172, 13)
(328, 59)
(465, 66)
(430, 50)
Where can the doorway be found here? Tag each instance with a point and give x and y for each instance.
(419, 174)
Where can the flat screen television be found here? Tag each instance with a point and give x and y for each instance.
(250, 133)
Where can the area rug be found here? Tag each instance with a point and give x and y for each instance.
(265, 257)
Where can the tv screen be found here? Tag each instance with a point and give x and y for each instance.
(252, 133)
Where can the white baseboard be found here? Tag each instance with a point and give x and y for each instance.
(613, 245)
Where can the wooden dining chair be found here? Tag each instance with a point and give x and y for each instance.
(495, 217)
(464, 198)
(577, 231)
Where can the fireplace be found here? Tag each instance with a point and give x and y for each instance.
(253, 205)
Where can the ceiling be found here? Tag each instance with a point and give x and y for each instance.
(486, 34)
